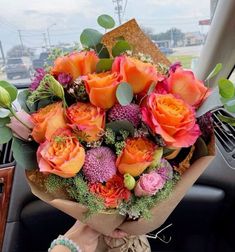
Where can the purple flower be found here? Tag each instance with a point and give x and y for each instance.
(130, 113)
(64, 78)
(165, 170)
(38, 76)
(174, 66)
(99, 164)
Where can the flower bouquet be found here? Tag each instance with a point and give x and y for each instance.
(108, 134)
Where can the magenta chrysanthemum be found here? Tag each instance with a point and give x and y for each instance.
(165, 170)
(99, 164)
(130, 112)
(64, 78)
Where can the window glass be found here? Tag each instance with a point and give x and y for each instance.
(31, 29)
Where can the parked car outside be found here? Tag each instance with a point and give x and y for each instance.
(21, 67)
(166, 50)
(42, 60)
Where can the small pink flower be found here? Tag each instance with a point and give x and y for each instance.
(149, 184)
(19, 130)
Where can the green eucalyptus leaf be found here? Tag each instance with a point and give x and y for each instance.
(116, 126)
(4, 113)
(4, 121)
(22, 99)
(120, 47)
(227, 119)
(5, 135)
(102, 51)
(106, 21)
(214, 72)
(230, 106)
(104, 65)
(124, 93)
(90, 38)
(226, 88)
(12, 90)
(25, 153)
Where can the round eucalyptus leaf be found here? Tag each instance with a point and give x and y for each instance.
(12, 90)
(4, 121)
(4, 113)
(25, 153)
(106, 21)
(90, 38)
(22, 99)
(104, 65)
(102, 51)
(226, 88)
(124, 93)
(120, 47)
(5, 135)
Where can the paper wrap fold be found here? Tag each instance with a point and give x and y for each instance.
(106, 222)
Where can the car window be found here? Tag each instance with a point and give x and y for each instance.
(32, 29)
(14, 61)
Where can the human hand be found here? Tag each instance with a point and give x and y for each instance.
(84, 236)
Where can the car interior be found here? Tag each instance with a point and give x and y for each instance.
(204, 221)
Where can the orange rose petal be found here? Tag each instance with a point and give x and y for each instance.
(134, 169)
(103, 97)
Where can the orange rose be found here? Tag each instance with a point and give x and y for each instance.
(184, 84)
(87, 120)
(76, 64)
(113, 192)
(62, 155)
(138, 74)
(102, 89)
(171, 118)
(136, 156)
(47, 120)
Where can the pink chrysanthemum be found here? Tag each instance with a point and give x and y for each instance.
(99, 164)
(38, 76)
(130, 112)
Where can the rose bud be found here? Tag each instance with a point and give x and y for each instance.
(5, 99)
(129, 181)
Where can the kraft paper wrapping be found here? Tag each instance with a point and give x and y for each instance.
(106, 222)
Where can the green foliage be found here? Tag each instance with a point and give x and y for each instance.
(141, 206)
(230, 106)
(214, 72)
(106, 21)
(11, 89)
(226, 88)
(120, 47)
(5, 134)
(4, 121)
(151, 88)
(102, 51)
(4, 113)
(119, 126)
(124, 93)
(79, 191)
(109, 136)
(119, 146)
(90, 38)
(48, 88)
(25, 153)
(54, 183)
(104, 65)
(227, 119)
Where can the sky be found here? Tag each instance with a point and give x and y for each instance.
(67, 18)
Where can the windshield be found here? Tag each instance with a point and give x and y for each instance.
(31, 29)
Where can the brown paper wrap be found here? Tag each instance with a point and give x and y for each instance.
(140, 43)
(106, 222)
